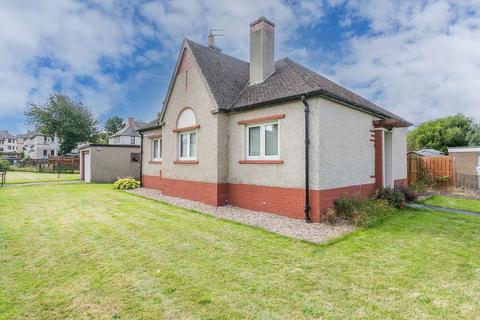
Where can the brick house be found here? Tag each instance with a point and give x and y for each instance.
(233, 132)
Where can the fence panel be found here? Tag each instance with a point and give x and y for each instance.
(440, 168)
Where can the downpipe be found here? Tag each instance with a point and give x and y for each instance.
(307, 158)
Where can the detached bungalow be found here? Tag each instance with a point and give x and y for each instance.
(267, 135)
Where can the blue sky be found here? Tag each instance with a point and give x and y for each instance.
(418, 59)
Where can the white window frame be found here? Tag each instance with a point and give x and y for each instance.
(262, 155)
(153, 149)
(188, 133)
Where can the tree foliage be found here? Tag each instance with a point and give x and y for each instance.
(4, 165)
(473, 136)
(113, 125)
(71, 121)
(439, 134)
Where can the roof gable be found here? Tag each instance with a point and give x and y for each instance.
(227, 79)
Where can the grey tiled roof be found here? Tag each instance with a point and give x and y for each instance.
(4, 134)
(228, 79)
(131, 131)
(226, 75)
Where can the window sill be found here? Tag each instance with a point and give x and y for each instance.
(185, 162)
(155, 162)
(265, 161)
(191, 128)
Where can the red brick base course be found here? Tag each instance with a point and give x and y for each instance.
(283, 201)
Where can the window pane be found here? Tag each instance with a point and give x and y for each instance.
(155, 149)
(271, 140)
(193, 144)
(160, 148)
(183, 145)
(254, 141)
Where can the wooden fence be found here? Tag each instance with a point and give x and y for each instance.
(440, 168)
(72, 162)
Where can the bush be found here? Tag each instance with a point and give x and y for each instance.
(4, 165)
(126, 183)
(395, 197)
(345, 207)
(360, 213)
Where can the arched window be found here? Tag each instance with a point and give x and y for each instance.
(186, 119)
(187, 135)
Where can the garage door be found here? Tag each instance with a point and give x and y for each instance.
(87, 168)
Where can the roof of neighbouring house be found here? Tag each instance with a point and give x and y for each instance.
(130, 129)
(428, 152)
(4, 134)
(464, 149)
(228, 80)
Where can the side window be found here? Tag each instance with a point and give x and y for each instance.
(157, 149)
(135, 157)
(262, 141)
(132, 140)
(188, 145)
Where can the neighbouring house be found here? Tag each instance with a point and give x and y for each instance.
(467, 166)
(107, 162)
(38, 146)
(267, 135)
(9, 143)
(426, 153)
(128, 134)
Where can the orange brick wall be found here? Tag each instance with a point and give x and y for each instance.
(288, 202)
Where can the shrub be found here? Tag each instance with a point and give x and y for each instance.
(360, 213)
(345, 207)
(126, 183)
(395, 197)
(4, 165)
(370, 211)
(409, 193)
(331, 216)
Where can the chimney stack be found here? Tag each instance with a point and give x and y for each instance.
(130, 121)
(262, 63)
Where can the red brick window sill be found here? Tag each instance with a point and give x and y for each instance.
(155, 161)
(185, 162)
(262, 119)
(186, 128)
(260, 161)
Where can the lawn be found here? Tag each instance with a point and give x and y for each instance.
(87, 251)
(452, 202)
(14, 177)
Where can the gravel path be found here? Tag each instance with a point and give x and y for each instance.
(444, 209)
(294, 228)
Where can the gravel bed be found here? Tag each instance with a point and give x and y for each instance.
(294, 228)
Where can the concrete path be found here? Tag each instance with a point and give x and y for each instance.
(450, 210)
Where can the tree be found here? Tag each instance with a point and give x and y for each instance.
(113, 125)
(71, 121)
(473, 136)
(441, 133)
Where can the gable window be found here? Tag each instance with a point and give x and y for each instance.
(157, 149)
(262, 141)
(188, 145)
(132, 140)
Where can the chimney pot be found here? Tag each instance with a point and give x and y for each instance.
(262, 47)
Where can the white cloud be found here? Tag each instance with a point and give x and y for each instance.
(420, 59)
(48, 44)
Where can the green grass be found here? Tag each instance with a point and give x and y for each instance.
(14, 177)
(87, 251)
(452, 202)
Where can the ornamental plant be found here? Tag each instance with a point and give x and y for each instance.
(126, 183)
